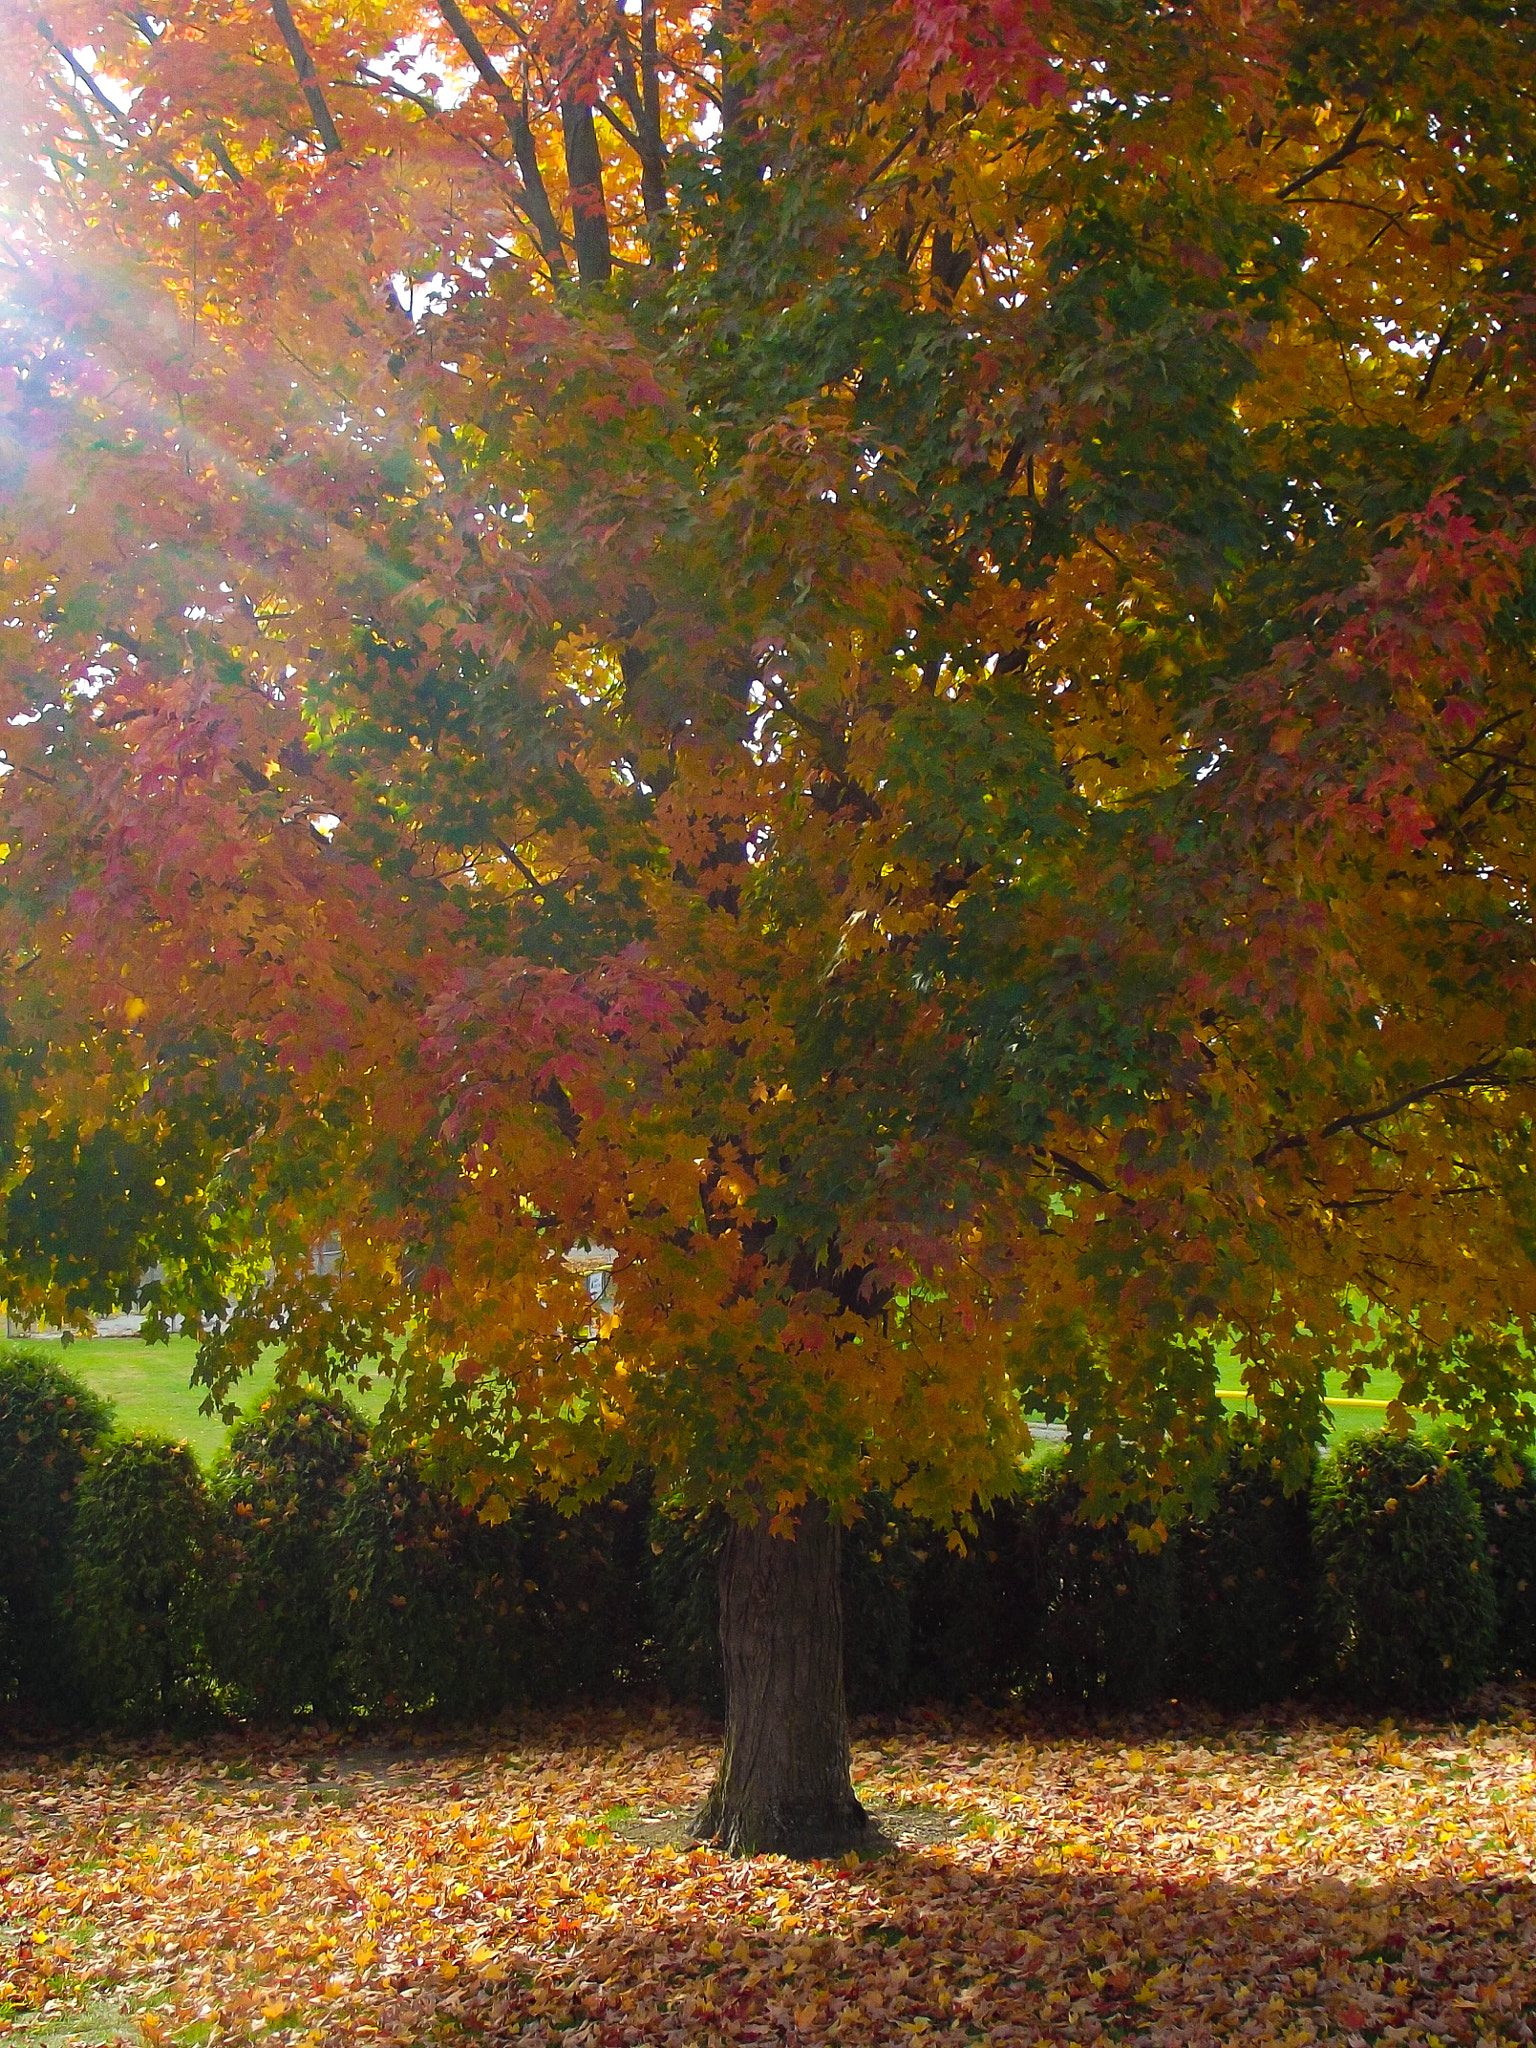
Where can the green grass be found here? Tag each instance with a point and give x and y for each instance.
(1350, 1413)
(150, 1386)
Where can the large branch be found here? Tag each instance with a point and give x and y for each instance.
(1480, 1074)
(309, 84)
(584, 170)
(514, 113)
(1331, 162)
(110, 107)
(642, 96)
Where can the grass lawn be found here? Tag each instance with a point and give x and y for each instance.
(151, 1387)
(1351, 1413)
(1179, 1879)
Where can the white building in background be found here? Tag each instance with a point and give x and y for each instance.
(594, 1262)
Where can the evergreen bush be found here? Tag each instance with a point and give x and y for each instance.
(973, 1609)
(426, 1600)
(1106, 1611)
(1246, 1593)
(879, 1571)
(1509, 1531)
(143, 1537)
(1406, 1597)
(49, 1422)
(585, 1581)
(280, 1482)
(685, 1603)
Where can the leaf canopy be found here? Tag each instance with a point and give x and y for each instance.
(880, 659)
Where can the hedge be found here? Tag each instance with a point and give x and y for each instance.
(280, 1483)
(426, 1601)
(1106, 1609)
(1407, 1609)
(49, 1423)
(1508, 1511)
(1247, 1592)
(144, 1540)
(316, 1576)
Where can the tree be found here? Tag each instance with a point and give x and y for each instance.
(881, 659)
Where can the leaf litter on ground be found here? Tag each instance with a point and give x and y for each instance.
(1292, 1880)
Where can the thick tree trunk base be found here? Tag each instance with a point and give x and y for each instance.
(783, 1787)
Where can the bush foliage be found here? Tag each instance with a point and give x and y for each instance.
(1508, 1515)
(280, 1485)
(144, 1539)
(1246, 1592)
(973, 1608)
(49, 1423)
(585, 1583)
(1105, 1610)
(1406, 1599)
(427, 1601)
(317, 1575)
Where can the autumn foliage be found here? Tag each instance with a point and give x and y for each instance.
(1271, 1883)
(880, 657)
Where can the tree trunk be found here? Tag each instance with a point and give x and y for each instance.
(783, 1786)
(589, 209)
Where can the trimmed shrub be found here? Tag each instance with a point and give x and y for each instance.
(879, 1569)
(49, 1421)
(685, 1603)
(974, 1611)
(1246, 1593)
(1107, 1611)
(143, 1535)
(279, 1484)
(427, 1601)
(587, 1598)
(1406, 1599)
(1509, 1531)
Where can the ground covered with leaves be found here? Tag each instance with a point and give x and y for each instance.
(1295, 1880)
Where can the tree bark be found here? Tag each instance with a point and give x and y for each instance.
(783, 1786)
(514, 112)
(309, 84)
(589, 210)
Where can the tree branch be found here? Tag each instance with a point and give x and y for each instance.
(309, 84)
(1478, 1075)
(1084, 1175)
(511, 854)
(110, 107)
(584, 174)
(1342, 154)
(514, 113)
(643, 99)
(224, 160)
(1426, 382)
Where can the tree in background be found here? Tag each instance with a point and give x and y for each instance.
(881, 658)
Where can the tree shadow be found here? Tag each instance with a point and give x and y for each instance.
(994, 1945)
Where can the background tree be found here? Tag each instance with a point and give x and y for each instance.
(881, 659)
